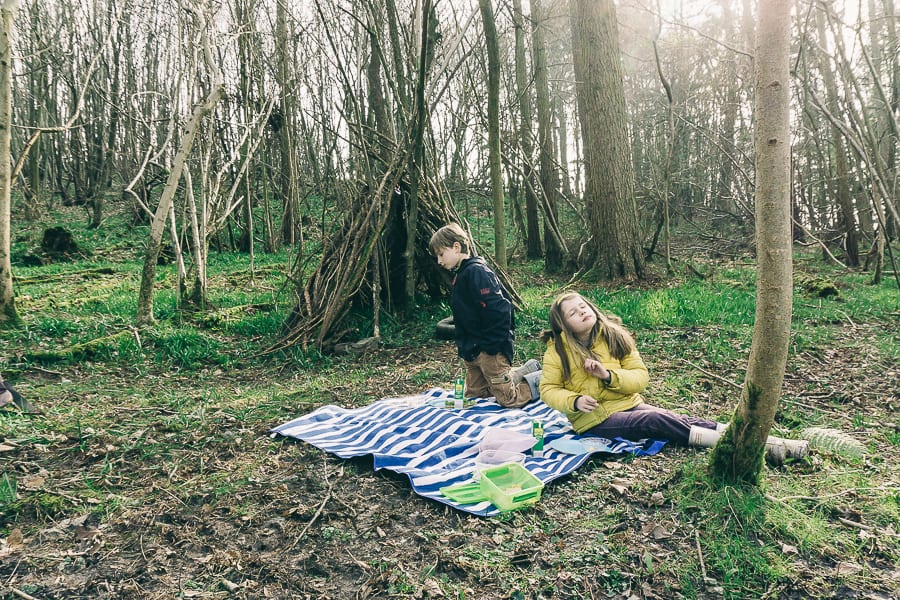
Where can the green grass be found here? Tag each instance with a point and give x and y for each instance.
(175, 398)
(732, 532)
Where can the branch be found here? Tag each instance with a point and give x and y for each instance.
(20, 163)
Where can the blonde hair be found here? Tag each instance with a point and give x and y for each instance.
(617, 338)
(448, 235)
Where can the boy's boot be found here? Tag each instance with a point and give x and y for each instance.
(534, 383)
(529, 366)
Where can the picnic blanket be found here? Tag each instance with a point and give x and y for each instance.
(436, 447)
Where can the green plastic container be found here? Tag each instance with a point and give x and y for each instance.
(466, 493)
(510, 486)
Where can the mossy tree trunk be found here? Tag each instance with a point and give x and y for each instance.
(738, 457)
(554, 250)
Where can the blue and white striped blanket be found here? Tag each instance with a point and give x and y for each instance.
(436, 447)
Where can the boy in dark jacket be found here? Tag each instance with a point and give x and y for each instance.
(483, 319)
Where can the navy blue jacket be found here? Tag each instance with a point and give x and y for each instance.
(482, 311)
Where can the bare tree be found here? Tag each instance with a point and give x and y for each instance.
(203, 22)
(493, 120)
(524, 92)
(8, 9)
(738, 456)
(609, 178)
(554, 250)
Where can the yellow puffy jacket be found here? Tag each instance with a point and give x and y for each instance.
(629, 378)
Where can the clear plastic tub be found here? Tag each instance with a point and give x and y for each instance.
(487, 459)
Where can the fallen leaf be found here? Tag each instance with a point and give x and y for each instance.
(656, 531)
(33, 482)
(433, 588)
(15, 538)
(619, 489)
(847, 568)
(620, 485)
(85, 533)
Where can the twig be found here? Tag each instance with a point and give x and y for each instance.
(174, 497)
(314, 517)
(22, 594)
(44, 371)
(852, 324)
(720, 378)
(835, 495)
(700, 554)
(855, 524)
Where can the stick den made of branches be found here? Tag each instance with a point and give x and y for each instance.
(345, 268)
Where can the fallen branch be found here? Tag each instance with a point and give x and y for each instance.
(314, 518)
(87, 274)
(711, 374)
(22, 594)
(83, 350)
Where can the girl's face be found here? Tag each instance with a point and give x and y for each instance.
(578, 316)
(449, 258)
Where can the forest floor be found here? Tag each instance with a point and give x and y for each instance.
(210, 506)
(137, 481)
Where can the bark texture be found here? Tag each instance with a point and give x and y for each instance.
(609, 173)
(738, 456)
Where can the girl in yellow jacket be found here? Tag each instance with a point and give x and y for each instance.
(594, 375)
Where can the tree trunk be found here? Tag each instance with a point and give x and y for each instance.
(847, 220)
(8, 315)
(523, 88)
(286, 131)
(37, 116)
(562, 131)
(493, 121)
(609, 175)
(737, 459)
(417, 158)
(553, 252)
(157, 226)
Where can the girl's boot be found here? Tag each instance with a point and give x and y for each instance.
(777, 449)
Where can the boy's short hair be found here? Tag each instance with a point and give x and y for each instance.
(448, 235)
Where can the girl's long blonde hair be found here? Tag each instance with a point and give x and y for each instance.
(618, 339)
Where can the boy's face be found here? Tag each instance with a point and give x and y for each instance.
(449, 258)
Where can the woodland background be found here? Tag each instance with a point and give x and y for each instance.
(349, 131)
(208, 202)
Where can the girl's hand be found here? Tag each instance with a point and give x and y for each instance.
(596, 368)
(586, 404)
